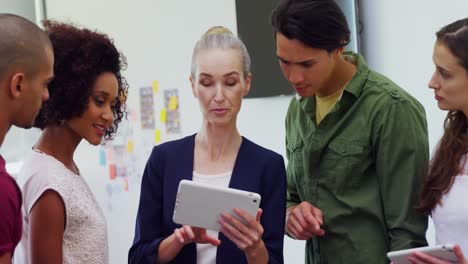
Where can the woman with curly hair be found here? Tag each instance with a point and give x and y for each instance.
(62, 221)
(445, 189)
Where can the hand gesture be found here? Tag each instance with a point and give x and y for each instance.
(246, 234)
(304, 221)
(187, 234)
(422, 258)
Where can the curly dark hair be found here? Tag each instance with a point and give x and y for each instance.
(81, 55)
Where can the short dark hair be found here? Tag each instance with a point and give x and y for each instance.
(81, 55)
(317, 23)
(455, 37)
(22, 43)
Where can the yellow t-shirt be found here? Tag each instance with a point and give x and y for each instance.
(325, 104)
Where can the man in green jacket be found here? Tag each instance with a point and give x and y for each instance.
(357, 143)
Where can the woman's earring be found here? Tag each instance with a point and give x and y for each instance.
(61, 122)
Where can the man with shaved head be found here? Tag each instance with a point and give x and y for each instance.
(26, 68)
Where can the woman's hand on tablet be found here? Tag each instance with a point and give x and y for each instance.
(173, 244)
(422, 258)
(188, 234)
(246, 235)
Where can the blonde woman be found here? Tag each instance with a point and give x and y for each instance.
(216, 155)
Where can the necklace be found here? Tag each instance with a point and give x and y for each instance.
(75, 171)
(38, 150)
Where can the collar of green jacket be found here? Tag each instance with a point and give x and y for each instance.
(353, 88)
(356, 84)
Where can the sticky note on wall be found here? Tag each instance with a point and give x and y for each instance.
(110, 155)
(155, 85)
(130, 146)
(102, 157)
(125, 185)
(163, 115)
(112, 172)
(173, 103)
(157, 136)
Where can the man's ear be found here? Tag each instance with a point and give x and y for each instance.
(248, 81)
(17, 84)
(192, 84)
(338, 52)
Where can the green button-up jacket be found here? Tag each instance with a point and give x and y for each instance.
(362, 166)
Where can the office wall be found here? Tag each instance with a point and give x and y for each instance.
(25, 8)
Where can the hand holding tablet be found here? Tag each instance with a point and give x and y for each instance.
(201, 205)
(444, 253)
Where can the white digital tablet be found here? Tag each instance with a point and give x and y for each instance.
(444, 252)
(201, 205)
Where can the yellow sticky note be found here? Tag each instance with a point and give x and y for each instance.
(163, 115)
(155, 87)
(125, 185)
(157, 136)
(173, 102)
(130, 146)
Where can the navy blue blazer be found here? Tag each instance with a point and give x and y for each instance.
(256, 169)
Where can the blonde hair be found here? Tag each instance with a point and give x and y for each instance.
(219, 37)
(217, 30)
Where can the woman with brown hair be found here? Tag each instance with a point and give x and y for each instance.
(445, 189)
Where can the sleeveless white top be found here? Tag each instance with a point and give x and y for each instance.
(206, 253)
(85, 235)
(451, 217)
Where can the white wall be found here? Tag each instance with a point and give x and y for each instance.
(24, 8)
